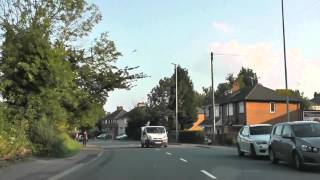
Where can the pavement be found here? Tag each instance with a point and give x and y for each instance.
(126, 160)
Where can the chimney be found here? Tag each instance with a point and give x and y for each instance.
(119, 108)
(141, 104)
(235, 87)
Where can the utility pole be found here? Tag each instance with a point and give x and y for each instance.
(285, 62)
(176, 70)
(213, 103)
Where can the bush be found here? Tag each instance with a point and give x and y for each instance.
(65, 146)
(14, 143)
(191, 137)
(49, 141)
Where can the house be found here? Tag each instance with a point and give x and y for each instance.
(115, 123)
(250, 105)
(315, 102)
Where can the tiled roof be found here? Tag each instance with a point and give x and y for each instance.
(256, 93)
(116, 115)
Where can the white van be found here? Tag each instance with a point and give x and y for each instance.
(154, 135)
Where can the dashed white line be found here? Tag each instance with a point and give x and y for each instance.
(168, 153)
(183, 160)
(208, 174)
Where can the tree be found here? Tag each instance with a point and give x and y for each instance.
(247, 78)
(45, 79)
(186, 98)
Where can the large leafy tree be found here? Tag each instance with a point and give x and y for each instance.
(45, 78)
(162, 100)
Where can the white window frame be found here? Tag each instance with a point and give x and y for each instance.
(274, 109)
(217, 111)
(230, 109)
(241, 107)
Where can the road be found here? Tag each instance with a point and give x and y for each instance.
(122, 160)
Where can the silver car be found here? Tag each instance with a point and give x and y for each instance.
(254, 140)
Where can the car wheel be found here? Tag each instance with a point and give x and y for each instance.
(253, 151)
(165, 145)
(298, 164)
(272, 157)
(240, 153)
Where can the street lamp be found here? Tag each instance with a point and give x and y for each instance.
(175, 67)
(285, 61)
(213, 103)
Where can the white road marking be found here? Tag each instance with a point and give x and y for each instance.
(208, 174)
(168, 153)
(183, 160)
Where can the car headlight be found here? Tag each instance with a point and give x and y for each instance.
(261, 142)
(306, 148)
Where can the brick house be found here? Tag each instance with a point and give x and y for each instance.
(250, 105)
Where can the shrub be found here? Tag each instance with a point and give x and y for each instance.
(49, 141)
(65, 146)
(191, 136)
(14, 143)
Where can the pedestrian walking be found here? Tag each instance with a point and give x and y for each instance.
(85, 138)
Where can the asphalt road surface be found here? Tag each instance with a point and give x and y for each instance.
(122, 160)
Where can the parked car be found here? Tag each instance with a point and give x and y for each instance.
(296, 142)
(254, 140)
(154, 135)
(122, 136)
(102, 136)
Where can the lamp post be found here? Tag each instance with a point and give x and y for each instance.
(176, 71)
(285, 61)
(213, 103)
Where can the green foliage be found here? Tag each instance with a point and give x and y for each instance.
(191, 137)
(65, 146)
(162, 100)
(46, 83)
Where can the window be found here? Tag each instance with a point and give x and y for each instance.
(286, 130)
(241, 107)
(259, 130)
(230, 109)
(245, 131)
(278, 130)
(272, 107)
(216, 114)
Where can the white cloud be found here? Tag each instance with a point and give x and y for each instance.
(223, 27)
(267, 62)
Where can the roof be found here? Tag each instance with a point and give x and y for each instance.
(116, 115)
(257, 125)
(300, 122)
(256, 93)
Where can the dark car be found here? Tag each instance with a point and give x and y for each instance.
(296, 142)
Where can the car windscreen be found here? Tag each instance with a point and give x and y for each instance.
(306, 130)
(260, 130)
(156, 130)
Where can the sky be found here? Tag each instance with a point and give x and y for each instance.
(154, 34)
